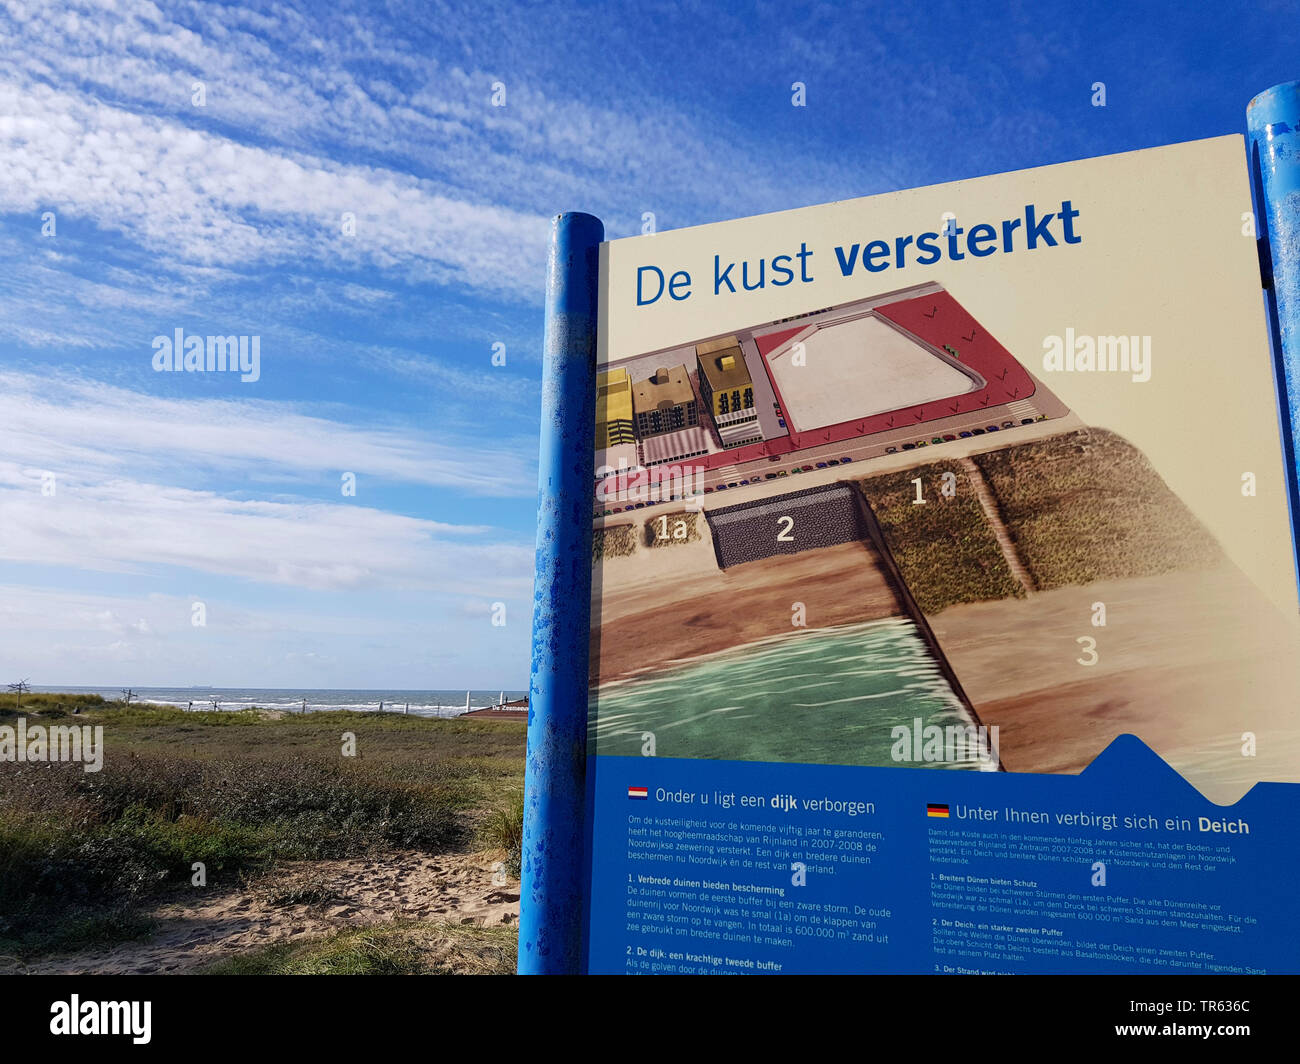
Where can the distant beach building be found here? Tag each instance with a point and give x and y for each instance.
(515, 709)
(728, 391)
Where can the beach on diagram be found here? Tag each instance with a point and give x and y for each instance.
(816, 534)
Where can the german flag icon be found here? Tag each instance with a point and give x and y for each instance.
(934, 809)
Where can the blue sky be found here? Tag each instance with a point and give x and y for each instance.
(220, 210)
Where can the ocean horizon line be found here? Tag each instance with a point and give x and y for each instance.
(119, 687)
(432, 702)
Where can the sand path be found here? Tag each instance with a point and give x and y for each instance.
(196, 931)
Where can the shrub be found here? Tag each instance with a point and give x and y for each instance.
(504, 830)
(236, 791)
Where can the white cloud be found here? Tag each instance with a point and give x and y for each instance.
(363, 294)
(130, 475)
(55, 636)
(124, 525)
(292, 79)
(195, 197)
(78, 427)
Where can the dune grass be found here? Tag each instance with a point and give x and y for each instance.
(80, 852)
(503, 829)
(410, 948)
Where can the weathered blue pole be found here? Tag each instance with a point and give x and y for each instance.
(1273, 124)
(552, 888)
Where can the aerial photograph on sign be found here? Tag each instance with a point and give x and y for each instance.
(869, 533)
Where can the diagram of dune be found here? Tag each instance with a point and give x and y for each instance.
(1030, 577)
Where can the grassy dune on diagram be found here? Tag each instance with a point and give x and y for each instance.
(1088, 506)
(1186, 635)
(944, 547)
(668, 530)
(1080, 507)
(614, 541)
(1008, 569)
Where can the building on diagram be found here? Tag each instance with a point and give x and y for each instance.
(728, 391)
(667, 417)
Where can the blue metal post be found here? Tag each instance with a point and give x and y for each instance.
(552, 888)
(1273, 124)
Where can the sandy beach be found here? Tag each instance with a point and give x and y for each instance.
(196, 930)
(660, 609)
(1188, 662)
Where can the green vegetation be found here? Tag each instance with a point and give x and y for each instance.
(944, 548)
(1088, 506)
(410, 948)
(310, 889)
(673, 529)
(614, 541)
(80, 852)
(78, 929)
(503, 829)
(56, 705)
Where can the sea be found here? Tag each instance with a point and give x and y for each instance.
(420, 703)
(825, 696)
